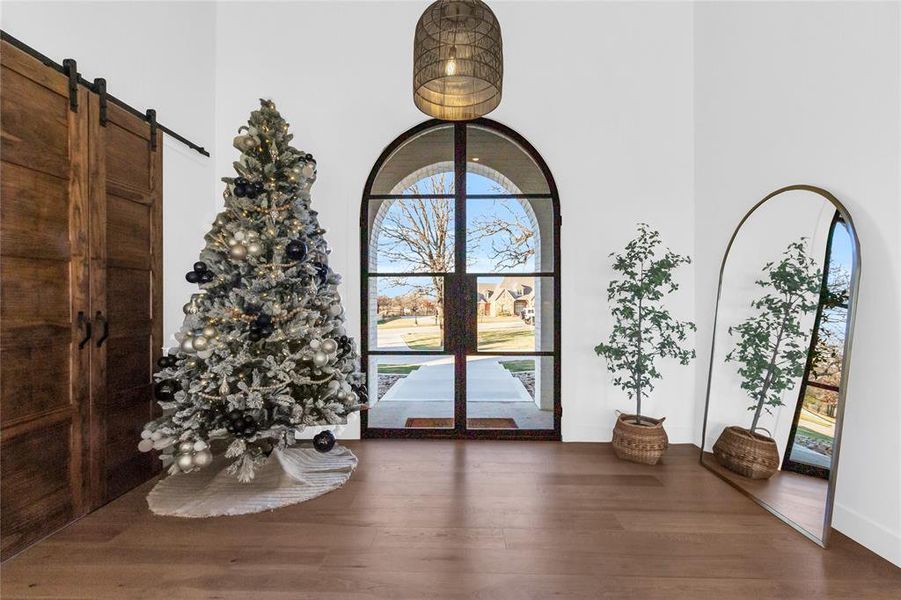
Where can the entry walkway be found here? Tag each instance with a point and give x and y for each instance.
(433, 381)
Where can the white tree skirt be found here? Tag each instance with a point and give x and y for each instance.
(289, 477)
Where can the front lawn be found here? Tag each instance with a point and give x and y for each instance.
(519, 366)
(397, 369)
(506, 339)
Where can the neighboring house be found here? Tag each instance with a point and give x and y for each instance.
(508, 297)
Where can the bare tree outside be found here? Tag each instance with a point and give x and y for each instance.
(418, 233)
(512, 238)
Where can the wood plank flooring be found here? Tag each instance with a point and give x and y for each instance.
(463, 519)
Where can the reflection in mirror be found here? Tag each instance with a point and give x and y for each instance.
(776, 383)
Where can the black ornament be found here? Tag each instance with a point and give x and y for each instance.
(192, 276)
(324, 441)
(166, 361)
(251, 193)
(240, 191)
(200, 266)
(264, 319)
(206, 277)
(165, 390)
(322, 272)
(255, 335)
(240, 181)
(360, 391)
(296, 250)
(259, 187)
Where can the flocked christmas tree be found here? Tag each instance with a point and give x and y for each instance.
(263, 350)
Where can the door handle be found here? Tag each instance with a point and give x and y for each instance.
(101, 319)
(84, 323)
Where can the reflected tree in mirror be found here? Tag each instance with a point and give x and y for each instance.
(771, 346)
(643, 329)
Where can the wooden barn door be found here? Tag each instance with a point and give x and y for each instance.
(126, 294)
(80, 298)
(44, 301)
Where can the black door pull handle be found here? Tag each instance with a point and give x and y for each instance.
(88, 329)
(101, 319)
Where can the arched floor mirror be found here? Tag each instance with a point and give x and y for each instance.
(780, 355)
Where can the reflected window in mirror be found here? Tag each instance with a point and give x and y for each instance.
(810, 442)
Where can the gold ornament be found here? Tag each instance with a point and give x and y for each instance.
(238, 251)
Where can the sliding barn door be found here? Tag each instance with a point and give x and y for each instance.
(126, 289)
(44, 301)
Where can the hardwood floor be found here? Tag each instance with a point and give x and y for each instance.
(799, 498)
(463, 519)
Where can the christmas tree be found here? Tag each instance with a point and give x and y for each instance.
(263, 350)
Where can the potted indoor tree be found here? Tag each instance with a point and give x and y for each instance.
(643, 332)
(771, 350)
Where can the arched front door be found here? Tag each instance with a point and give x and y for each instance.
(460, 258)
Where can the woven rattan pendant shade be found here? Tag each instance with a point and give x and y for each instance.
(458, 62)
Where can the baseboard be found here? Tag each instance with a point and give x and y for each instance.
(593, 433)
(867, 533)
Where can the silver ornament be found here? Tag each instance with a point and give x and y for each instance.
(334, 310)
(254, 249)
(308, 170)
(189, 309)
(320, 359)
(156, 435)
(145, 435)
(200, 343)
(314, 344)
(145, 445)
(238, 251)
(202, 458)
(240, 235)
(329, 346)
(185, 462)
(200, 445)
(187, 345)
(232, 241)
(210, 332)
(185, 447)
(162, 443)
(252, 235)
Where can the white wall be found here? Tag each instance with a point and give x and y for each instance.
(809, 93)
(153, 55)
(603, 91)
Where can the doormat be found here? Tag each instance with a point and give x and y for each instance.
(476, 423)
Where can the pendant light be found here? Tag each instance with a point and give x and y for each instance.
(458, 62)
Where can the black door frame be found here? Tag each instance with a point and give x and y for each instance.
(460, 316)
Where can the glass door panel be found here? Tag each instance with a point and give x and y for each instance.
(510, 392)
(501, 161)
(509, 235)
(514, 314)
(412, 235)
(406, 313)
(411, 391)
(422, 155)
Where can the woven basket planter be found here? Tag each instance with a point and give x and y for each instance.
(644, 443)
(749, 454)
